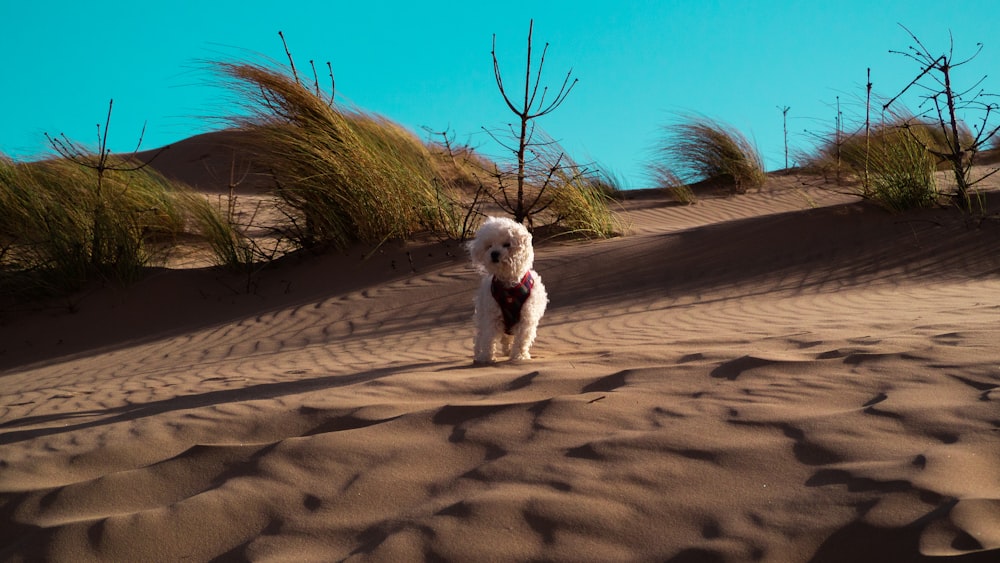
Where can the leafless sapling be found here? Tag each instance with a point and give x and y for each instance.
(945, 104)
(101, 163)
(523, 144)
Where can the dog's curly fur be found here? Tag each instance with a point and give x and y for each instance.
(502, 250)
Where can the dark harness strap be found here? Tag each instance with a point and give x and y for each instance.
(511, 300)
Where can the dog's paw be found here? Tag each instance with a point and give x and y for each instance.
(520, 357)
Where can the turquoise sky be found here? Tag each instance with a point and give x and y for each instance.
(428, 64)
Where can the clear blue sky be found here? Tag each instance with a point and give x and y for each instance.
(428, 64)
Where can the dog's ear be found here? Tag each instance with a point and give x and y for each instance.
(522, 236)
(474, 247)
(479, 247)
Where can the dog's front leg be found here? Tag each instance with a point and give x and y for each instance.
(504, 344)
(484, 347)
(524, 337)
(488, 330)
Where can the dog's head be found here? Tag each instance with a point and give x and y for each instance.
(502, 247)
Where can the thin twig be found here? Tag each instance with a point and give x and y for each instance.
(288, 53)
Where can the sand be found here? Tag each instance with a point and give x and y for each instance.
(787, 375)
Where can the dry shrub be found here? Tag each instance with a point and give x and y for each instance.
(561, 193)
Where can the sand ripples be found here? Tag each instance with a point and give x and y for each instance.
(715, 393)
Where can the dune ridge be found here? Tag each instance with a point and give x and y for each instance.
(787, 375)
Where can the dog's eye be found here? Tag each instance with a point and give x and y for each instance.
(506, 245)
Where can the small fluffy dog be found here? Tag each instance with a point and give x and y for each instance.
(511, 299)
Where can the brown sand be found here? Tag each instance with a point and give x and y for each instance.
(782, 376)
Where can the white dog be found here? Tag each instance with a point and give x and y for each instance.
(511, 299)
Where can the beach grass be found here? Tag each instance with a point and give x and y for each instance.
(62, 226)
(900, 172)
(581, 202)
(342, 175)
(664, 178)
(699, 148)
(892, 164)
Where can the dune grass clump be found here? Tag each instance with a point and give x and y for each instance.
(230, 245)
(699, 149)
(900, 174)
(845, 152)
(581, 199)
(63, 224)
(665, 179)
(343, 175)
(892, 164)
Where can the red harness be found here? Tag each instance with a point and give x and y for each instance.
(511, 299)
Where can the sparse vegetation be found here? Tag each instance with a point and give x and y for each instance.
(698, 149)
(579, 198)
(900, 171)
(663, 178)
(543, 178)
(888, 162)
(58, 231)
(946, 103)
(342, 175)
(894, 160)
(93, 215)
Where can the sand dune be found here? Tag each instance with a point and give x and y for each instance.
(788, 375)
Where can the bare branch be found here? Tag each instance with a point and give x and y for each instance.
(527, 70)
(979, 49)
(923, 50)
(924, 72)
(971, 88)
(500, 141)
(333, 83)
(315, 78)
(499, 77)
(560, 97)
(291, 62)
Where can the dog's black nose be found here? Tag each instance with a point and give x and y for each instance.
(495, 256)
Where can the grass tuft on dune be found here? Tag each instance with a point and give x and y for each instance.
(61, 225)
(342, 175)
(699, 148)
(892, 164)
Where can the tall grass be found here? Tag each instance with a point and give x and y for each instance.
(699, 148)
(664, 178)
(848, 150)
(58, 230)
(230, 246)
(891, 164)
(900, 172)
(342, 174)
(461, 167)
(580, 201)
